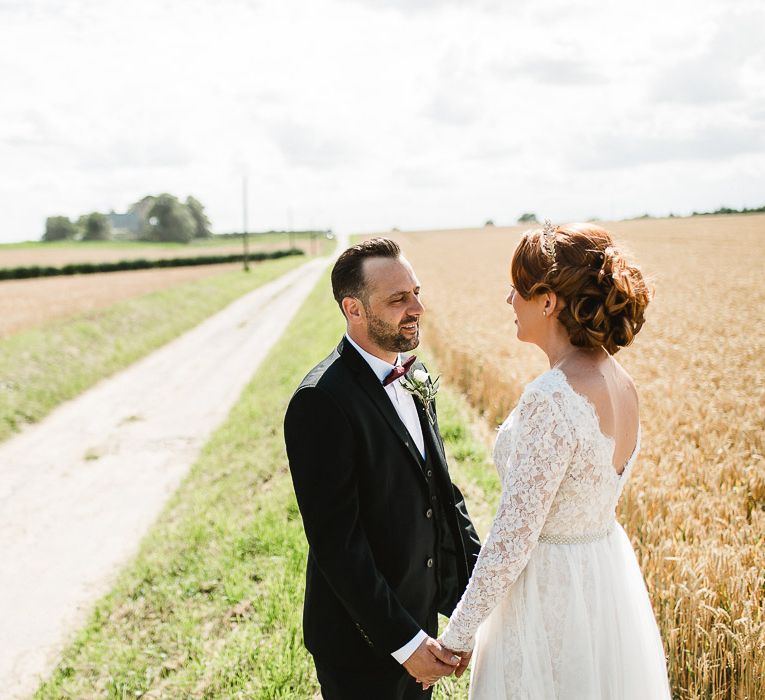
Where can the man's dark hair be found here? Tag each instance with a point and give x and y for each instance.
(348, 272)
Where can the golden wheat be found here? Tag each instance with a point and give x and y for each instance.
(695, 505)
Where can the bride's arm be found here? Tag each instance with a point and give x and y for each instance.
(540, 456)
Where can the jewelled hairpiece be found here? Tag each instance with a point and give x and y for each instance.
(548, 240)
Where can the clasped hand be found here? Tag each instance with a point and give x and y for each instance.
(432, 661)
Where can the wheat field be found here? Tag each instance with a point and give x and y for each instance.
(695, 505)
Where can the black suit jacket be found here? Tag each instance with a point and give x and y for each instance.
(374, 564)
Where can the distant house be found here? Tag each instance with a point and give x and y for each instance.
(125, 226)
(131, 224)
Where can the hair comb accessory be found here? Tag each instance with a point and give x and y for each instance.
(548, 240)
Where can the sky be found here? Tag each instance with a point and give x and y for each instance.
(363, 115)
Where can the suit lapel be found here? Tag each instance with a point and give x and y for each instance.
(429, 430)
(370, 384)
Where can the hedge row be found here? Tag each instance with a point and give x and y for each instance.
(15, 273)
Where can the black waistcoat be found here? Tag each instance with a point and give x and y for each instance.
(449, 588)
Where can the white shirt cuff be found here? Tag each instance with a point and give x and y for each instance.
(407, 650)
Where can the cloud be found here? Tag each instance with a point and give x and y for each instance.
(699, 82)
(458, 98)
(452, 109)
(19, 7)
(135, 153)
(303, 145)
(31, 128)
(557, 12)
(344, 105)
(409, 5)
(421, 176)
(714, 74)
(552, 71)
(758, 113)
(708, 143)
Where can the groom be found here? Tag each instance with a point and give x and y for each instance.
(390, 541)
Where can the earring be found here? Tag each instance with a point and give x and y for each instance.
(544, 313)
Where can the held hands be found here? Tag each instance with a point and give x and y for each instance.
(464, 663)
(431, 661)
(464, 657)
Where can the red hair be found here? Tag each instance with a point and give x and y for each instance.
(604, 294)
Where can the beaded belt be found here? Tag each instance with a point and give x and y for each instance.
(584, 538)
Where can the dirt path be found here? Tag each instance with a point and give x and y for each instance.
(80, 489)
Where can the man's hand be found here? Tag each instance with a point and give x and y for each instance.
(464, 663)
(431, 661)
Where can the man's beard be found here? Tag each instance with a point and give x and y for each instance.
(389, 337)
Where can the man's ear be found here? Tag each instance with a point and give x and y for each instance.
(353, 309)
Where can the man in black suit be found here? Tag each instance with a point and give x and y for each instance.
(390, 541)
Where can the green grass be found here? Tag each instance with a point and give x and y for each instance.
(43, 366)
(211, 605)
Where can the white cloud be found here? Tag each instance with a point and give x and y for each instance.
(721, 142)
(363, 115)
(717, 72)
(553, 71)
(303, 145)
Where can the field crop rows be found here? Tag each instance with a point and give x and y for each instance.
(31, 302)
(66, 252)
(26, 303)
(695, 505)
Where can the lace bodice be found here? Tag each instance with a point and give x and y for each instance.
(558, 481)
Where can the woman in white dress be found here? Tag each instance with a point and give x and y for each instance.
(557, 606)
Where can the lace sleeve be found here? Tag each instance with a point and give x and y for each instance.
(540, 454)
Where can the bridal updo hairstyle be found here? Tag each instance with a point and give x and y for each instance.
(604, 295)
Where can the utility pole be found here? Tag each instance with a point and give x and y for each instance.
(289, 227)
(313, 237)
(245, 240)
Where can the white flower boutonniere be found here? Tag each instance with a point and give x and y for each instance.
(419, 384)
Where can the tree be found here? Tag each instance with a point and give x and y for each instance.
(170, 220)
(489, 222)
(59, 228)
(96, 227)
(201, 221)
(528, 218)
(141, 208)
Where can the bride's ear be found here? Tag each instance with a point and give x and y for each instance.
(552, 304)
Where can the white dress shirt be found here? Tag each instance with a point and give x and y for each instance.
(403, 402)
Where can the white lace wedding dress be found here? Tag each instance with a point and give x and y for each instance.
(557, 605)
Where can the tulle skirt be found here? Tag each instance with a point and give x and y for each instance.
(576, 625)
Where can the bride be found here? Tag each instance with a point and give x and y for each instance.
(557, 606)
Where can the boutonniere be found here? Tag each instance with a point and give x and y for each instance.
(419, 384)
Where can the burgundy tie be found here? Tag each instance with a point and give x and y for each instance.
(399, 370)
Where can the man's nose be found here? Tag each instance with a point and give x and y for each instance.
(417, 307)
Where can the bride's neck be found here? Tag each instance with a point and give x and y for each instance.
(556, 347)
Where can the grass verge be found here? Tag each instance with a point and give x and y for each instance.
(44, 366)
(211, 605)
